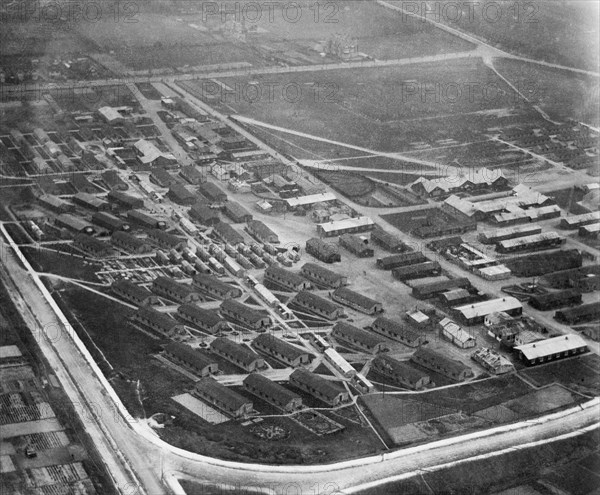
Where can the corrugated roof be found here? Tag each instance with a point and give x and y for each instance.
(453, 365)
(193, 356)
(271, 389)
(326, 387)
(280, 346)
(400, 368)
(207, 316)
(214, 389)
(306, 297)
(323, 272)
(355, 298)
(366, 338)
(236, 307)
(240, 352)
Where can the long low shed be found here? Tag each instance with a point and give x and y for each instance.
(551, 349)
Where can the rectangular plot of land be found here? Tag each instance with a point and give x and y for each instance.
(30, 427)
(541, 401)
(6, 464)
(206, 412)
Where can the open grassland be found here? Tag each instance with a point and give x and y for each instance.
(374, 30)
(558, 32)
(371, 103)
(561, 94)
(566, 466)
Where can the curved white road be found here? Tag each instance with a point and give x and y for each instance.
(135, 455)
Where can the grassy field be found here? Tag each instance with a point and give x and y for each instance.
(558, 32)
(522, 472)
(561, 94)
(61, 264)
(580, 374)
(374, 30)
(128, 363)
(372, 103)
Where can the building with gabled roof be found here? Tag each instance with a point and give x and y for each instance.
(54, 203)
(455, 334)
(244, 314)
(388, 241)
(285, 279)
(74, 224)
(417, 270)
(439, 363)
(261, 232)
(497, 235)
(110, 222)
(345, 226)
(130, 243)
(356, 245)
(323, 276)
(181, 195)
(161, 177)
(579, 314)
(553, 300)
(238, 354)
(125, 200)
(113, 181)
(90, 202)
(142, 219)
(167, 241)
(397, 331)
(434, 289)
(159, 322)
(311, 199)
(325, 390)
(472, 314)
(176, 291)
(473, 179)
(356, 301)
(192, 175)
(551, 349)
(197, 361)
(206, 320)
(204, 214)
(313, 303)
(212, 192)
(281, 350)
(401, 259)
(400, 372)
(110, 115)
(227, 233)
(322, 250)
(148, 154)
(215, 287)
(272, 392)
(222, 397)
(138, 295)
(92, 246)
(236, 212)
(357, 337)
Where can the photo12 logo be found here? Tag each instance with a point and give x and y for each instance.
(455, 92)
(271, 12)
(53, 11)
(472, 12)
(255, 92)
